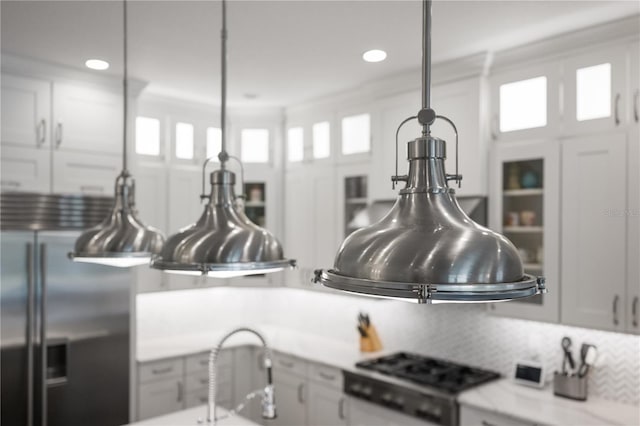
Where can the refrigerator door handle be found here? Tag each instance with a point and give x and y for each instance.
(43, 333)
(30, 332)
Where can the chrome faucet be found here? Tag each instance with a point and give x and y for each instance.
(268, 397)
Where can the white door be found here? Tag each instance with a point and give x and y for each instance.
(87, 118)
(85, 173)
(25, 169)
(26, 112)
(290, 391)
(327, 406)
(594, 231)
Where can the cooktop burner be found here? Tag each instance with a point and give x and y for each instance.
(440, 374)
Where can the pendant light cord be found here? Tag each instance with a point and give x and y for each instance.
(426, 115)
(125, 85)
(223, 156)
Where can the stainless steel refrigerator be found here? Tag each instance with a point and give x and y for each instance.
(65, 325)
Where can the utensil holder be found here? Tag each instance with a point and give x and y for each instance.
(574, 387)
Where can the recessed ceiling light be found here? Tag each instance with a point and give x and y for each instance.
(97, 64)
(374, 55)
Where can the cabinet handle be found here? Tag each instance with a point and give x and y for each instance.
(301, 393)
(162, 370)
(11, 183)
(180, 391)
(494, 127)
(615, 310)
(91, 188)
(486, 423)
(341, 409)
(40, 132)
(58, 135)
(326, 376)
(634, 311)
(617, 112)
(635, 105)
(288, 364)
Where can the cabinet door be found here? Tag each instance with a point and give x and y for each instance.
(85, 173)
(26, 111)
(299, 223)
(327, 406)
(595, 91)
(160, 397)
(151, 201)
(248, 376)
(25, 169)
(594, 231)
(87, 118)
(539, 242)
(633, 227)
(291, 400)
(184, 209)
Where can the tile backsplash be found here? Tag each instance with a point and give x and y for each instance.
(462, 333)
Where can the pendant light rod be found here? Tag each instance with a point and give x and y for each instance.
(125, 86)
(426, 67)
(223, 156)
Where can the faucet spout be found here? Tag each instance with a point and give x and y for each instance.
(267, 393)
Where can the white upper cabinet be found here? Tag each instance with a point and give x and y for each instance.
(85, 173)
(184, 141)
(295, 144)
(356, 134)
(594, 231)
(255, 145)
(525, 102)
(26, 112)
(25, 169)
(595, 92)
(214, 142)
(148, 134)
(321, 138)
(87, 118)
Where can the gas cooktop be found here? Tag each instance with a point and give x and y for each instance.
(440, 374)
(417, 386)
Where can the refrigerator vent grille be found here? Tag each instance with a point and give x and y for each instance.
(51, 212)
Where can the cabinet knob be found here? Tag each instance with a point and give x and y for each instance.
(341, 414)
(636, 95)
(58, 135)
(301, 393)
(634, 312)
(41, 132)
(617, 109)
(615, 310)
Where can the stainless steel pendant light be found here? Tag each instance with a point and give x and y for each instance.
(223, 242)
(122, 239)
(426, 249)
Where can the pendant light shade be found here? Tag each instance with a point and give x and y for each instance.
(426, 249)
(224, 242)
(122, 239)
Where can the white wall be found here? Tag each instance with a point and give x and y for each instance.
(462, 333)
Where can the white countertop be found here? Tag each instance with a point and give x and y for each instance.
(503, 396)
(543, 407)
(310, 347)
(190, 417)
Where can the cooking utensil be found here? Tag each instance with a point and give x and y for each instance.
(588, 355)
(568, 356)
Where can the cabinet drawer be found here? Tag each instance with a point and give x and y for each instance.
(200, 397)
(200, 380)
(199, 362)
(162, 369)
(472, 416)
(160, 397)
(288, 363)
(329, 376)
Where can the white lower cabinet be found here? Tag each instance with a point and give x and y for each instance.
(472, 416)
(291, 399)
(327, 406)
(160, 397)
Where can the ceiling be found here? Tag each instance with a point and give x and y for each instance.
(284, 52)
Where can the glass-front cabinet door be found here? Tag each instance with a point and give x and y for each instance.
(524, 207)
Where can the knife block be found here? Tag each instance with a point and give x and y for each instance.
(574, 387)
(371, 343)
